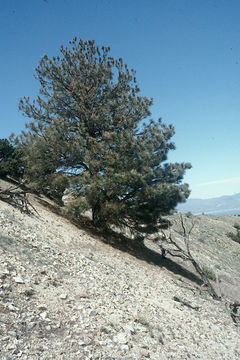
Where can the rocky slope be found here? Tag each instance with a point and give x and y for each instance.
(66, 293)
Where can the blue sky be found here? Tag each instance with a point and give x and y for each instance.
(186, 54)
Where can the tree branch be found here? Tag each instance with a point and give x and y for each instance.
(17, 197)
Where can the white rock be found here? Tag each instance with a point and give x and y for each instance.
(102, 342)
(11, 307)
(12, 333)
(31, 325)
(121, 338)
(18, 280)
(63, 296)
(5, 272)
(93, 313)
(44, 315)
(124, 347)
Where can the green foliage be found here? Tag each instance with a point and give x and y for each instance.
(57, 185)
(235, 237)
(88, 123)
(10, 160)
(209, 273)
(77, 206)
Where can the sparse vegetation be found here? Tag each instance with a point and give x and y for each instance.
(189, 214)
(209, 273)
(235, 236)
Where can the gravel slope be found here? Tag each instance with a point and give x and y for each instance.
(65, 294)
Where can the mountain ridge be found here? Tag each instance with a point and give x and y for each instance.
(212, 205)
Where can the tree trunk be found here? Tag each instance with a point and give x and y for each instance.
(96, 218)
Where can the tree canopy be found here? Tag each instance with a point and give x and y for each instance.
(88, 131)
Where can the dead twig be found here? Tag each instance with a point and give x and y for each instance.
(186, 303)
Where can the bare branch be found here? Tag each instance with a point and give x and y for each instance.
(17, 197)
(185, 254)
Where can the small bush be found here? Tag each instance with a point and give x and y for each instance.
(76, 207)
(209, 273)
(235, 237)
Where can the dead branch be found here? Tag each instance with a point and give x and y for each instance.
(218, 284)
(186, 303)
(17, 197)
(234, 312)
(184, 253)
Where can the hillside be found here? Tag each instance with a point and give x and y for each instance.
(69, 293)
(214, 205)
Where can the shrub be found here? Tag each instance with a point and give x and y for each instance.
(235, 237)
(209, 273)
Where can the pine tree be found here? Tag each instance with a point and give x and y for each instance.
(88, 124)
(10, 160)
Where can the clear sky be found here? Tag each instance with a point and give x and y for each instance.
(186, 54)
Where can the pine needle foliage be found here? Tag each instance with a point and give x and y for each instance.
(10, 160)
(88, 124)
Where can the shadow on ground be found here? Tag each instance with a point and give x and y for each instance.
(120, 242)
(142, 252)
(124, 244)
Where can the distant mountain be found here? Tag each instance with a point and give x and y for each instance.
(215, 205)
